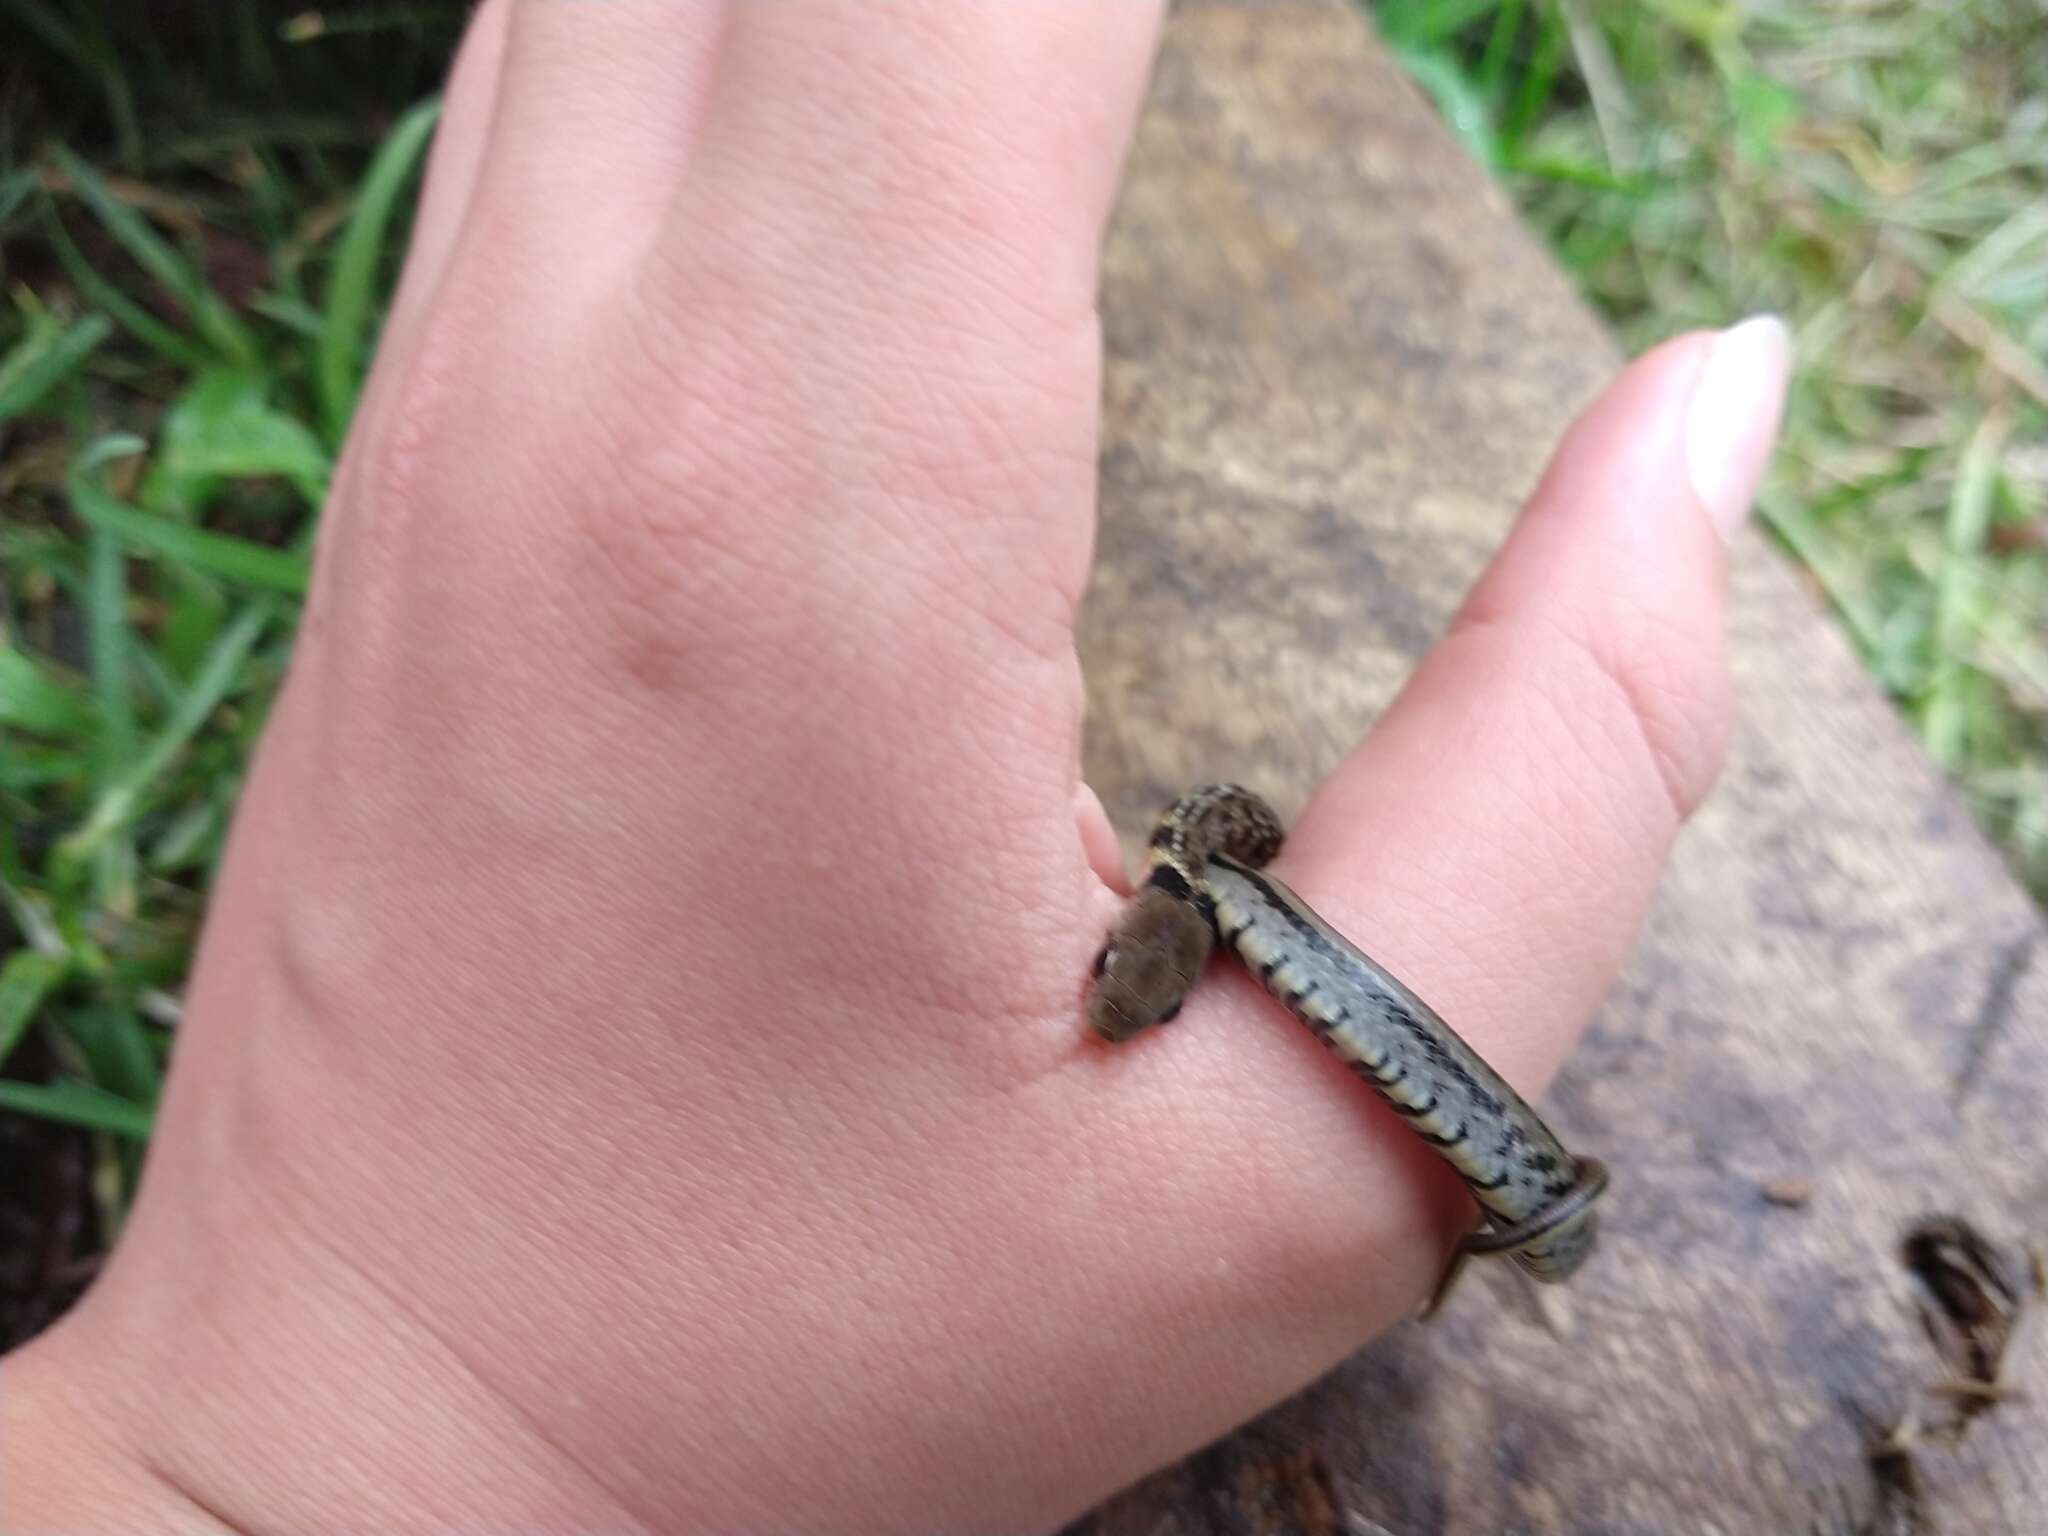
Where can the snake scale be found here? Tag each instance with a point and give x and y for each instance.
(1205, 884)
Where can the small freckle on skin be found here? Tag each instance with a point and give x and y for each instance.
(652, 665)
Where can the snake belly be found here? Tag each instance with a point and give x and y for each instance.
(1205, 882)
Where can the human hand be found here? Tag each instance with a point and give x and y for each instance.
(634, 1077)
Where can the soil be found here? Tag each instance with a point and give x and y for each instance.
(49, 1235)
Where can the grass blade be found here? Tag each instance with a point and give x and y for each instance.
(1532, 94)
(15, 188)
(71, 1102)
(219, 554)
(34, 699)
(28, 977)
(210, 314)
(25, 769)
(340, 365)
(107, 616)
(292, 313)
(1467, 113)
(120, 801)
(222, 427)
(115, 1046)
(1426, 23)
(1958, 594)
(1492, 71)
(138, 322)
(49, 354)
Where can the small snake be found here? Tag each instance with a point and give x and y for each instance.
(1204, 882)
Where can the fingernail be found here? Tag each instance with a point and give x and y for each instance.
(1732, 423)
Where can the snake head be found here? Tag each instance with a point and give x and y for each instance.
(1147, 964)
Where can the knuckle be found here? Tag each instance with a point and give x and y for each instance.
(1672, 692)
(1648, 693)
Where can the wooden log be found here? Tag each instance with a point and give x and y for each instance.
(1336, 366)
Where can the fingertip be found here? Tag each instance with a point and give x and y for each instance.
(1686, 430)
(1620, 557)
(1731, 422)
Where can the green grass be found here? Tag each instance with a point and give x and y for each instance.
(200, 221)
(1878, 174)
(200, 218)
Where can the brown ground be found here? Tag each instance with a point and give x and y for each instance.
(49, 1235)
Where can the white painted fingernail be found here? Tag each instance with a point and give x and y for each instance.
(1732, 423)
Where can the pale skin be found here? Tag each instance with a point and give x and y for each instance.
(634, 1079)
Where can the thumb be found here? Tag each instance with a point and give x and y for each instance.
(1497, 839)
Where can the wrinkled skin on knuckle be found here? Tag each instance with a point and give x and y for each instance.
(1673, 685)
(1646, 694)
(735, 492)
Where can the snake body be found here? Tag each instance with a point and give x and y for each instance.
(1205, 882)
